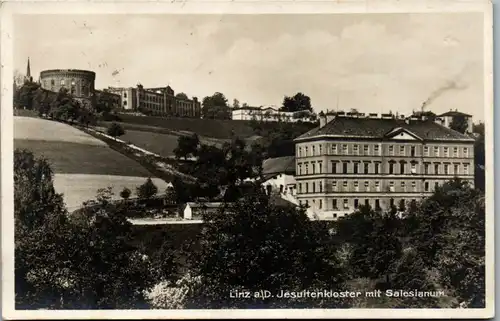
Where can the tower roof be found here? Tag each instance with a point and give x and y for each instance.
(28, 69)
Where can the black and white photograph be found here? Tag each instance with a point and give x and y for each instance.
(207, 161)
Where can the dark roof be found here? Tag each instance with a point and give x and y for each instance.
(454, 113)
(379, 128)
(247, 108)
(279, 165)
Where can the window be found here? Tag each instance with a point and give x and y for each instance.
(334, 149)
(313, 167)
(446, 152)
(436, 151)
(320, 167)
(307, 202)
(300, 188)
(320, 204)
(377, 167)
(402, 167)
(377, 186)
(426, 168)
(377, 204)
(455, 169)
(313, 150)
(365, 150)
(402, 150)
(391, 186)
(466, 152)
(345, 185)
(367, 167)
(392, 202)
(307, 168)
(124, 103)
(124, 95)
(344, 149)
(466, 169)
(376, 149)
(52, 82)
(334, 167)
(344, 165)
(414, 186)
(403, 186)
(356, 203)
(346, 203)
(320, 184)
(306, 151)
(367, 202)
(355, 168)
(391, 150)
(436, 169)
(412, 151)
(426, 150)
(356, 186)
(391, 168)
(334, 186)
(446, 169)
(300, 151)
(426, 185)
(436, 185)
(367, 186)
(356, 149)
(321, 149)
(307, 187)
(299, 169)
(313, 187)
(334, 204)
(413, 168)
(62, 82)
(455, 151)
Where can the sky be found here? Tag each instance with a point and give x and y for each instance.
(374, 63)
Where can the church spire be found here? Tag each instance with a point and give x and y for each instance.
(28, 72)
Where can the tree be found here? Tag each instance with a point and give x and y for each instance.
(147, 190)
(170, 195)
(115, 130)
(104, 103)
(254, 245)
(187, 146)
(125, 193)
(215, 107)
(25, 95)
(182, 96)
(479, 156)
(298, 102)
(402, 205)
(244, 105)
(459, 123)
(236, 103)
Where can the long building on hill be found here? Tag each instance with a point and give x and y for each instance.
(159, 101)
(352, 160)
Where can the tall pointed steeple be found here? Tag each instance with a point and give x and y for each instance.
(28, 72)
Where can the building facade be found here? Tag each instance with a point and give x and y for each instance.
(447, 118)
(350, 161)
(79, 83)
(272, 114)
(157, 101)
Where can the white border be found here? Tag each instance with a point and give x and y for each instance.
(7, 10)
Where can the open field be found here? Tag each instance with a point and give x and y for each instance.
(82, 164)
(216, 128)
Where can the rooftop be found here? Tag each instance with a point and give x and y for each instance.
(454, 113)
(278, 165)
(378, 128)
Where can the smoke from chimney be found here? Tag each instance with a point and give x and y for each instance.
(451, 85)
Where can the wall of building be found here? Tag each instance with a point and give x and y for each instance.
(80, 83)
(337, 174)
(282, 183)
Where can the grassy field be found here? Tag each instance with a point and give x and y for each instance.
(82, 164)
(216, 128)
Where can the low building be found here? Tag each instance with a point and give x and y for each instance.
(279, 175)
(380, 161)
(446, 119)
(195, 211)
(271, 114)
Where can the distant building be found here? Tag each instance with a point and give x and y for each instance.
(106, 95)
(353, 160)
(271, 114)
(279, 175)
(195, 211)
(447, 118)
(157, 101)
(79, 83)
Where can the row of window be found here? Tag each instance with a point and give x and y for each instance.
(401, 205)
(374, 150)
(393, 167)
(368, 186)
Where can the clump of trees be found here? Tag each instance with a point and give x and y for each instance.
(115, 130)
(298, 102)
(215, 107)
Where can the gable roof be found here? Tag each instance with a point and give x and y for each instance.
(377, 128)
(279, 165)
(454, 113)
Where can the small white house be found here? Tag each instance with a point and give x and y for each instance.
(194, 211)
(280, 175)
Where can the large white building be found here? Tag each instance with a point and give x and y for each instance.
(271, 113)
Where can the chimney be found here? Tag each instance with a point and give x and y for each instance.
(322, 119)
